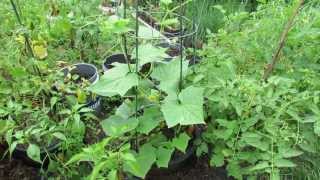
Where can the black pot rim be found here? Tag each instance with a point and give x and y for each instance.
(51, 148)
(105, 63)
(94, 77)
(189, 152)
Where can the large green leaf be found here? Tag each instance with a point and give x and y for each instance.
(144, 161)
(149, 53)
(117, 80)
(116, 125)
(186, 109)
(149, 120)
(181, 142)
(255, 140)
(169, 76)
(33, 152)
(164, 156)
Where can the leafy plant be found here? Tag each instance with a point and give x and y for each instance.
(256, 129)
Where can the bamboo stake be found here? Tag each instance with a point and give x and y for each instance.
(282, 41)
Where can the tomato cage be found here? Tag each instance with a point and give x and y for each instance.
(169, 29)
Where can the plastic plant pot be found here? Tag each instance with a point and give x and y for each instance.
(20, 152)
(179, 161)
(90, 73)
(119, 58)
(173, 50)
(171, 33)
(87, 71)
(194, 61)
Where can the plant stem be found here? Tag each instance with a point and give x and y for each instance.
(26, 37)
(283, 38)
(28, 44)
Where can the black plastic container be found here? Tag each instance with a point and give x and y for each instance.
(173, 50)
(179, 161)
(194, 60)
(20, 152)
(87, 71)
(119, 58)
(90, 73)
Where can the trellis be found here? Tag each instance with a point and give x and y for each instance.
(181, 36)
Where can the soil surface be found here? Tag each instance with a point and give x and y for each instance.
(15, 169)
(194, 169)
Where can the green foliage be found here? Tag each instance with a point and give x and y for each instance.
(257, 129)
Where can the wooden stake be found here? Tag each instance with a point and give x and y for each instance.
(282, 41)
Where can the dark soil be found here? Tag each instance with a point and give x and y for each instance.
(194, 169)
(15, 169)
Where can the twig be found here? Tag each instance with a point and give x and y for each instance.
(283, 38)
(28, 44)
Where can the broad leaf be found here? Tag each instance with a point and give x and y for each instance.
(143, 163)
(117, 80)
(169, 76)
(116, 126)
(163, 156)
(33, 152)
(181, 142)
(60, 136)
(186, 109)
(149, 120)
(149, 53)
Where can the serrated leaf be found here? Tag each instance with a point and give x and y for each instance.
(117, 80)
(181, 142)
(169, 76)
(163, 156)
(33, 152)
(149, 120)
(187, 109)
